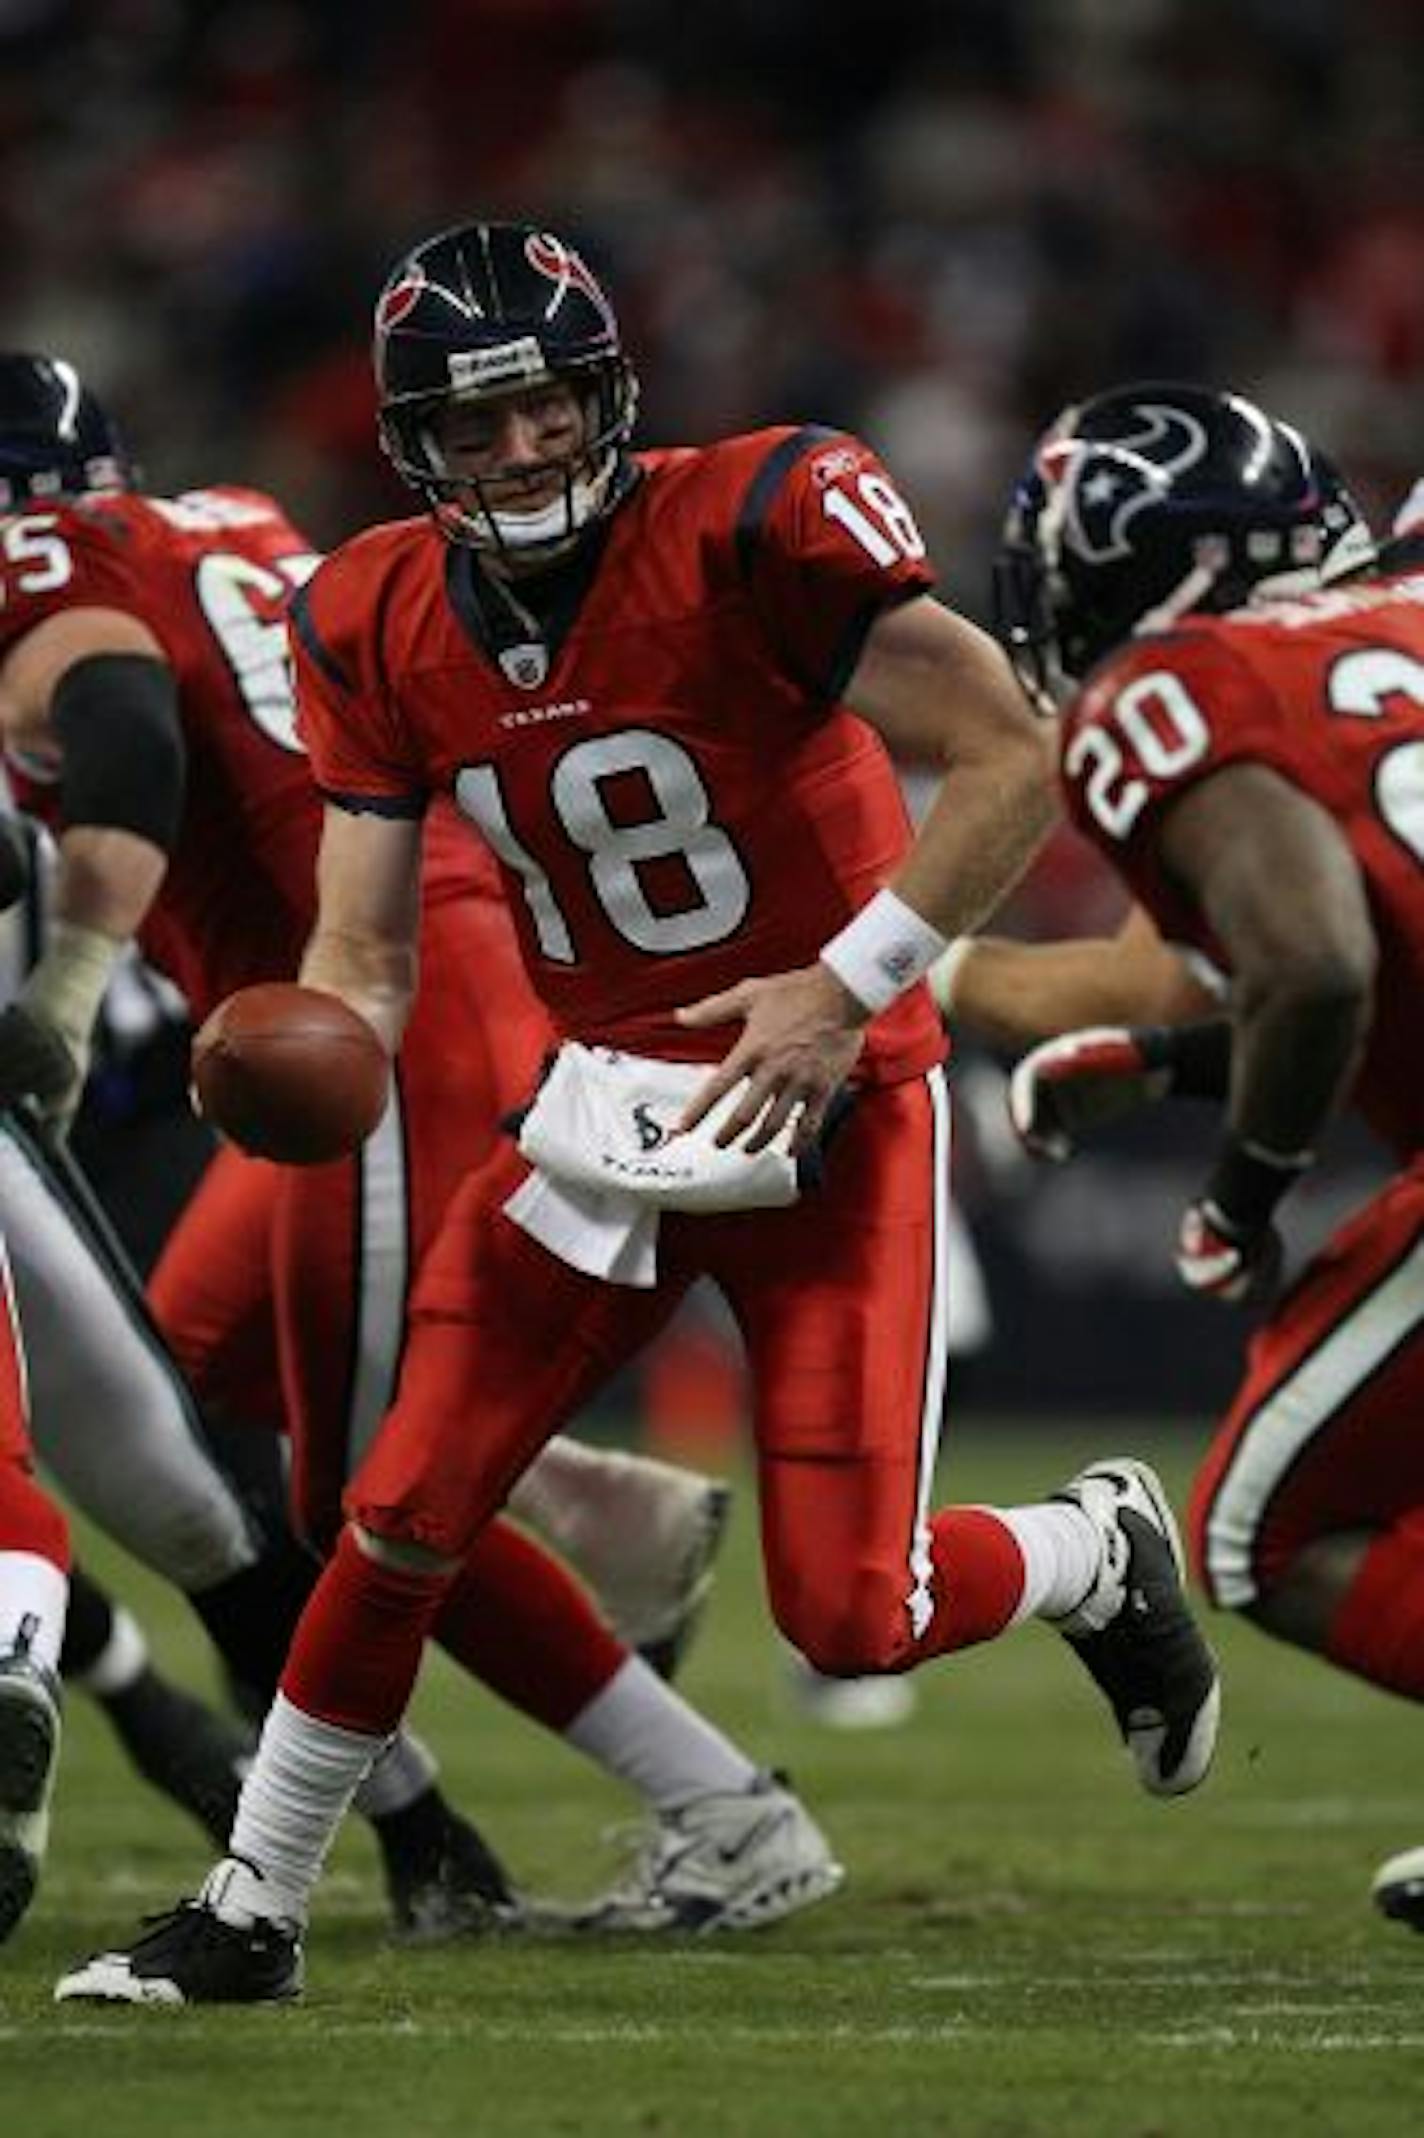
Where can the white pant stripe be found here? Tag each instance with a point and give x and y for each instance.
(920, 1601)
(383, 1250)
(1295, 1412)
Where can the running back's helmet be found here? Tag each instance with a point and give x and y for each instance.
(56, 440)
(483, 310)
(1153, 500)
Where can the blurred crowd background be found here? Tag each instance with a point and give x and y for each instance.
(933, 221)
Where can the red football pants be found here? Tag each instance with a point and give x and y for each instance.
(840, 1300)
(1325, 1434)
(29, 1519)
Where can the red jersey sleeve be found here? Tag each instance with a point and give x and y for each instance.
(361, 756)
(1154, 721)
(827, 544)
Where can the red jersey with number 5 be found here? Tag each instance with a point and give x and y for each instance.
(660, 761)
(1328, 691)
(210, 573)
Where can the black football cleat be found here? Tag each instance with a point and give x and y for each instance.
(192, 1956)
(1134, 1631)
(443, 1880)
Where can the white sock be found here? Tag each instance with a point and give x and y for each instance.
(293, 1800)
(639, 1729)
(403, 1772)
(34, 1593)
(123, 1657)
(1062, 1551)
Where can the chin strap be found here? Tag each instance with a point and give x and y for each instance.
(1212, 557)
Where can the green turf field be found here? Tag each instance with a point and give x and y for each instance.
(1023, 1946)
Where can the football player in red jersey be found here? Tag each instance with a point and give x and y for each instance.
(661, 685)
(1243, 737)
(144, 672)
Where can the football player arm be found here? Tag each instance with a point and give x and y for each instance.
(1014, 994)
(364, 945)
(941, 692)
(1282, 893)
(937, 689)
(88, 696)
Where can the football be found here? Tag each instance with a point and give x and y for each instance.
(290, 1073)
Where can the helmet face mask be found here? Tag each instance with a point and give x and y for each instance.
(1152, 501)
(474, 317)
(56, 439)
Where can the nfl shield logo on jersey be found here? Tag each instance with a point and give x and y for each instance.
(525, 665)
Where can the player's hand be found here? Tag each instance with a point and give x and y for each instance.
(38, 1063)
(1079, 1082)
(801, 1034)
(1218, 1258)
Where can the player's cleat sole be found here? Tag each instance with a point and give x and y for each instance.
(1398, 1889)
(29, 1751)
(724, 1862)
(1135, 1634)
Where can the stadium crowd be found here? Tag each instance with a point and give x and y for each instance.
(931, 235)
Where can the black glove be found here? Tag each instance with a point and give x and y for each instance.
(1227, 1246)
(38, 1063)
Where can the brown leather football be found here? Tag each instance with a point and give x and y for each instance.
(290, 1073)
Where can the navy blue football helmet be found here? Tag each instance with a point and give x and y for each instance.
(1153, 500)
(487, 309)
(56, 439)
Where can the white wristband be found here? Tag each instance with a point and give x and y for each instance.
(884, 950)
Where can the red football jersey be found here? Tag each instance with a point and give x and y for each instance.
(210, 573)
(1329, 692)
(675, 794)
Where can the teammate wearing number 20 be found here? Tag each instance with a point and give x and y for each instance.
(1245, 743)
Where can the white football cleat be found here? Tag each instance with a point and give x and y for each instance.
(727, 1861)
(1134, 1631)
(873, 1703)
(1398, 1888)
(29, 1753)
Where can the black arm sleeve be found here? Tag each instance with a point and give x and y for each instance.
(116, 717)
(1198, 1056)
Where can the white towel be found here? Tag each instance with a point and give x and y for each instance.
(600, 1137)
